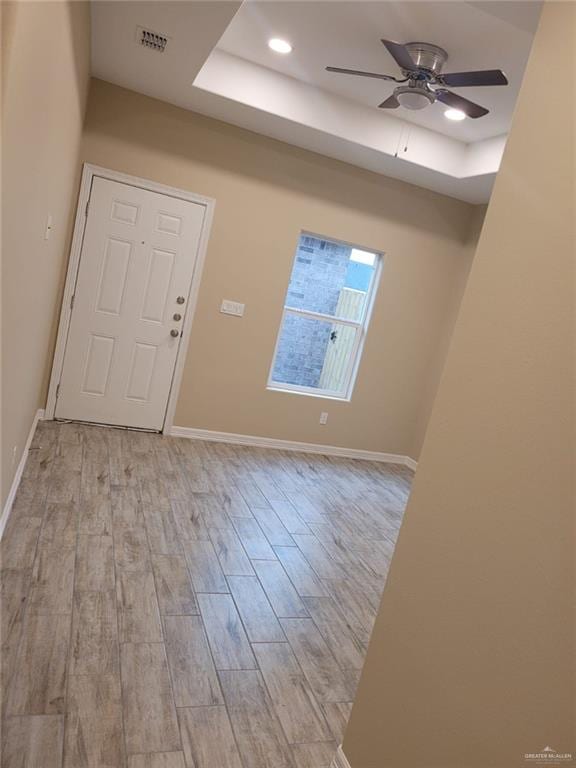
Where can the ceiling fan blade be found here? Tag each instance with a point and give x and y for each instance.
(341, 71)
(390, 103)
(482, 77)
(459, 102)
(400, 54)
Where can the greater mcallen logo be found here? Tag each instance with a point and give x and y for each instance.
(548, 756)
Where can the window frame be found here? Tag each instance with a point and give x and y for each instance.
(361, 327)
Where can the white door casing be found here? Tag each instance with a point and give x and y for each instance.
(138, 256)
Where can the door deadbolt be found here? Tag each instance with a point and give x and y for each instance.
(177, 316)
(174, 333)
(180, 300)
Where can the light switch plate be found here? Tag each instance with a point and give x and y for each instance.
(232, 308)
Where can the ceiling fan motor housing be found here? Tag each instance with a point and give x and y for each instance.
(428, 57)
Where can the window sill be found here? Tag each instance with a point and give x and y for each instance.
(320, 394)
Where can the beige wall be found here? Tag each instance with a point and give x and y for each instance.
(437, 357)
(46, 80)
(266, 192)
(471, 663)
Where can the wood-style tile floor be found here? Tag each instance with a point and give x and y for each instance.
(170, 603)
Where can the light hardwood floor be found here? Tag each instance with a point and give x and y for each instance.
(171, 603)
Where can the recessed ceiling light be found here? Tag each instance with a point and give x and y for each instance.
(279, 45)
(455, 114)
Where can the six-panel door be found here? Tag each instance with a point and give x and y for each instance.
(136, 266)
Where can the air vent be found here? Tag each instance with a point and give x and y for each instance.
(152, 40)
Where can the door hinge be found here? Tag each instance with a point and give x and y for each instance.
(87, 206)
(72, 301)
(57, 391)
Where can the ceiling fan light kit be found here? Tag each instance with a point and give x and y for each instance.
(423, 82)
(413, 97)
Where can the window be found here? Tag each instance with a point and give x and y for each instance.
(325, 318)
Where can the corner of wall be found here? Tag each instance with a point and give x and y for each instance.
(31, 265)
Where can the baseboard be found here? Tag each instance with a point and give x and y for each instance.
(411, 463)
(340, 759)
(18, 476)
(291, 445)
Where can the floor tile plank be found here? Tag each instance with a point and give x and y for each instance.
(353, 601)
(252, 495)
(95, 515)
(131, 551)
(279, 590)
(204, 567)
(253, 539)
(233, 502)
(230, 552)
(316, 660)
(38, 683)
(305, 581)
(14, 588)
(18, 545)
(336, 631)
(157, 760)
(126, 508)
(95, 563)
(318, 558)
(65, 477)
(94, 649)
(52, 581)
(94, 735)
(337, 715)
(207, 738)
(273, 528)
(189, 520)
(173, 585)
(258, 733)
(297, 709)
(194, 677)
(290, 518)
(150, 722)
(228, 641)
(314, 755)
(163, 532)
(32, 741)
(60, 525)
(212, 509)
(138, 612)
(256, 613)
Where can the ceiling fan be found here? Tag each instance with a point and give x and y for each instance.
(421, 65)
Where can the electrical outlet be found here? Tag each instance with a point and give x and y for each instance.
(323, 417)
(232, 308)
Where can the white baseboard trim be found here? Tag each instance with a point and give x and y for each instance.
(18, 476)
(411, 463)
(340, 759)
(290, 445)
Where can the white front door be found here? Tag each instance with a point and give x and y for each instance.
(131, 295)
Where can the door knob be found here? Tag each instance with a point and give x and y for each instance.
(180, 300)
(174, 332)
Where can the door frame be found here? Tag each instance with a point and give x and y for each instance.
(89, 171)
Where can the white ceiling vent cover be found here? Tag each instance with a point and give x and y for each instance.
(152, 40)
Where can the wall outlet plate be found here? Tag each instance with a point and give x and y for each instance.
(323, 417)
(232, 308)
